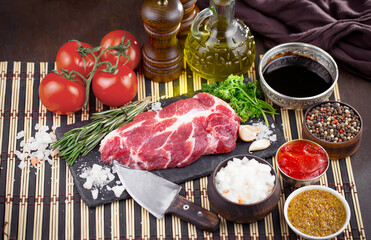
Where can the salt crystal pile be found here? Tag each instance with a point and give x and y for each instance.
(265, 131)
(97, 177)
(37, 149)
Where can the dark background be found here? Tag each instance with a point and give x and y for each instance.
(33, 30)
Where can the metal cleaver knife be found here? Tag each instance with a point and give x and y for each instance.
(160, 196)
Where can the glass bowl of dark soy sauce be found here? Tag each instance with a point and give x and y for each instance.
(297, 75)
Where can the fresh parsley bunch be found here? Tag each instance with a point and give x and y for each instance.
(244, 98)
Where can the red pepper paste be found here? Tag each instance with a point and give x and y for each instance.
(302, 159)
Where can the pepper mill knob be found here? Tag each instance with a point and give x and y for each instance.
(190, 11)
(162, 54)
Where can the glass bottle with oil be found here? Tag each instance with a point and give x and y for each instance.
(218, 43)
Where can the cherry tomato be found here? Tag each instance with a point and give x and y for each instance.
(69, 58)
(113, 39)
(61, 95)
(115, 89)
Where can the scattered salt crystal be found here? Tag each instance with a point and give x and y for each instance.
(88, 184)
(34, 146)
(46, 153)
(32, 155)
(94, 193)
(156, 106)
(53, 136)
(44, 128)
(45, 138)
(26, 148)
(111, 177)
(96, 167)
(50, 161)
(54, 128)
(84, 174)
(37, 146)
(20, 155)
(118, 190)
(20, 135)
(97, 176)
(39, 155)
(265, 132)
(22, 164)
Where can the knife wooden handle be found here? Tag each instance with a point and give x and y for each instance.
(194, 214)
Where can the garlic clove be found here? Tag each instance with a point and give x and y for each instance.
(255, 129)
(248, 133)
(260, 144)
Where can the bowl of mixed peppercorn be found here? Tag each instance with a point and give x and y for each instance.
(336, 126)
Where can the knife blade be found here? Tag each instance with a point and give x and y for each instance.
(160, 196)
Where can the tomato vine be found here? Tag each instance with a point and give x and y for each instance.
(119, 50)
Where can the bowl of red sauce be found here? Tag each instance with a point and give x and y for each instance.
(302, 162)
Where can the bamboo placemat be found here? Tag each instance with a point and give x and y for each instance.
(41, 203)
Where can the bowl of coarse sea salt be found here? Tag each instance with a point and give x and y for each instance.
(243, 189)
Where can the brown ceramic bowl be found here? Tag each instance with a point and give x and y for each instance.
(296, 182)
(242, 213)
(336, 150)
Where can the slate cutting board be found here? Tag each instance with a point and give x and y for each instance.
(200, 168)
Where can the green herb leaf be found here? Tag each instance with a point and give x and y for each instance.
(245, 99)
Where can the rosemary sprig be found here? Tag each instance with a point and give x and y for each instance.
(80, 141)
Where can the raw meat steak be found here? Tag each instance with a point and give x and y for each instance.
(175, 136)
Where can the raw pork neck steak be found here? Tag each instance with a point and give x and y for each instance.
(175, 136)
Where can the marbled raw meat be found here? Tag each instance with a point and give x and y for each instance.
(175, 136)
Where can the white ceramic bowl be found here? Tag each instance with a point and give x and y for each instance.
(302, 189)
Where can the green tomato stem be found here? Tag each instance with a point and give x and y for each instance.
(120, 50)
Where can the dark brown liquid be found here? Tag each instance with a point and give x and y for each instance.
(297, 76)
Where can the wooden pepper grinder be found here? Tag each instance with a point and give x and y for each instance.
(190, 11)
(162, 54)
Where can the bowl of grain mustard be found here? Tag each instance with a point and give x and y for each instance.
(316, 212)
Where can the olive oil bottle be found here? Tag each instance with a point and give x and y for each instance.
(218, 43)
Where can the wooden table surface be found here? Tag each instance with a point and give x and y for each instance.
(32, 31)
